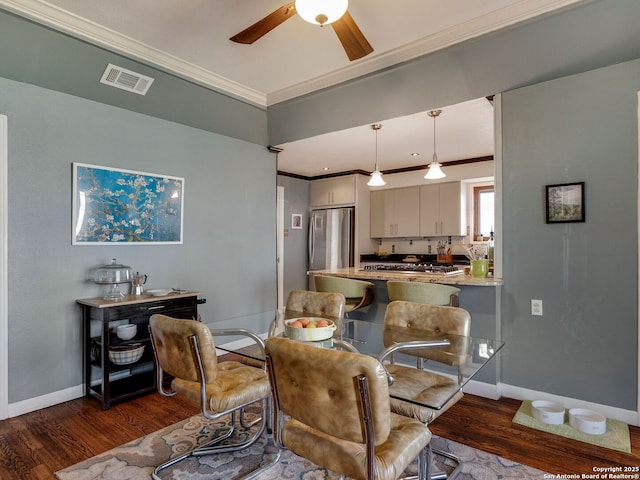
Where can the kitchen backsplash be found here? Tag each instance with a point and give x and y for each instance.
(404, 247)
(400, 257)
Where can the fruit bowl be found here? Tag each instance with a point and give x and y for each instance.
(303, 332)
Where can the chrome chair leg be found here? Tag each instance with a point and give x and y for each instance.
(213, 446)
(438, 475)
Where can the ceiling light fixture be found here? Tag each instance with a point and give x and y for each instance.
(376, 176)
(434, 170)
(321, 12)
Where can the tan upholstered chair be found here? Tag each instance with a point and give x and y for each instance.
(421, 385)
(316, 303)
(419, 292)
(358, 293)
(185, 349)
(337, 412)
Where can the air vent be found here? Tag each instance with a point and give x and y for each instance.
(126, 79)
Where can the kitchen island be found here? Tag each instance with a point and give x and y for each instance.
(386, 275)
(481, 302)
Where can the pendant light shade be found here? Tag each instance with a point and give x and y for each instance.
(434, 170)
(321, 12)
(376, 176)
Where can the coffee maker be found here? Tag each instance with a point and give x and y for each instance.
(136, 284)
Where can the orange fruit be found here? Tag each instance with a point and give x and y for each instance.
(323, 323)
(304, 321)
(296, 324)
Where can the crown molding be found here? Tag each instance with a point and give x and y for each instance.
(76, 26)
(44, 13)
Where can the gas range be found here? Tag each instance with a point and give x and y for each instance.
(415, 267)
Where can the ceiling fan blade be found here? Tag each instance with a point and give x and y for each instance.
(353, 41)
(264, 26)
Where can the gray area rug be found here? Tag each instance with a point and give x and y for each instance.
(136, 460)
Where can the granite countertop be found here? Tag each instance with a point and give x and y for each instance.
(385, 275)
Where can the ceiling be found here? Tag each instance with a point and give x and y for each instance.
(190, 38)
(463, 131)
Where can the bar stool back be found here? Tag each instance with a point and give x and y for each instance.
(426, 293)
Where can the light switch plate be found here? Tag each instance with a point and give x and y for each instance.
(536, 307)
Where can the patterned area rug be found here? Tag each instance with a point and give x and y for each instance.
(616, 436)
(136, 460)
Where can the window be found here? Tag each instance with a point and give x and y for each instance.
(483, 211)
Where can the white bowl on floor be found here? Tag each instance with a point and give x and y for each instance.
(587, 421)
(547, 412)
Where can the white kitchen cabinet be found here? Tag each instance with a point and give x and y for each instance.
(333, 191)
(441, 210)
(395, 213)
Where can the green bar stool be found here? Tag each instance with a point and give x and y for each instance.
(358, 293)
(425, 293)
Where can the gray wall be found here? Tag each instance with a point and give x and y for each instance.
(296, 200)
(224, 208)
(579, 128)
(40, 56)
(592, 35)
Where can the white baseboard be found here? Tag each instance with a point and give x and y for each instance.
(627, 416)
(44, 401)
(481, 389)
(238, 344)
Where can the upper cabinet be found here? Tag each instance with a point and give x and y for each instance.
(395, 213)
(441, 210)
(333, 191)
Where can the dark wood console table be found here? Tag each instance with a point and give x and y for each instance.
(111, 383)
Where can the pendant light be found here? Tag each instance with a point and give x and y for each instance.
(321, 12)
(434, 170)
(376, 176)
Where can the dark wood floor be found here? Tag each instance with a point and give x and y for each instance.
(37, 444)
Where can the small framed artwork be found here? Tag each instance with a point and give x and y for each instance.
(296, 221)
(565, 203)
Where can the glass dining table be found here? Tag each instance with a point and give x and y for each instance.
(455, 356)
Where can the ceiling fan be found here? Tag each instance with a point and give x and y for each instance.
(353, 41)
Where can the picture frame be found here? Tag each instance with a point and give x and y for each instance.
(113, 206)
(565, 203)
(296, 221)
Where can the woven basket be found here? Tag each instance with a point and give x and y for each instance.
(126, 354)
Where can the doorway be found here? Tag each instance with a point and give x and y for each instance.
(4, 268)
(280, 244)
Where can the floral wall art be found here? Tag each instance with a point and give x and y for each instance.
(116, 206)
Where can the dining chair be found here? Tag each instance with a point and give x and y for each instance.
(185, 349)
(318, 304)
(332, 408)
(358, 293)
(422, 386)
(420, 292)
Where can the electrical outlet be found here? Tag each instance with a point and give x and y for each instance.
(536, 307)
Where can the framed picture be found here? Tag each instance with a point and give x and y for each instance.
(120, 207)
(565, 203)
(296, 221)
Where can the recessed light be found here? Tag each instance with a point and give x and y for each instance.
(415, 154)
(325, 168)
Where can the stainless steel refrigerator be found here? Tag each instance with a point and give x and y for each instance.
(331, 238)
